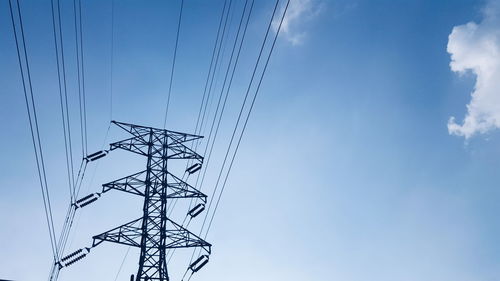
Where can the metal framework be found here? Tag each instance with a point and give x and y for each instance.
(154, 232)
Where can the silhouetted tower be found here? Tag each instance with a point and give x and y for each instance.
(154, 232)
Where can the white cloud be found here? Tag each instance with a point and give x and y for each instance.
(475, 47)
(299, 11)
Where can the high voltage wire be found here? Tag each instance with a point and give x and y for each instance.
(215, 66)
(240, 114)
(222, 91)
(74, 184)
(77, 11)
(211, 73)
(218, 42)
(210, 67)
(173, 64)
(77, 46)
(62, 85)
(248, 116)
(112, 61)
(83, 76)
(68, 122)
(228, 88)
(35, 133)
(245, 123)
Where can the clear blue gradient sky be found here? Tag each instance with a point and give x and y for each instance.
(347, 170)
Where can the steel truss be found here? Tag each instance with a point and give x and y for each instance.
(154, 233)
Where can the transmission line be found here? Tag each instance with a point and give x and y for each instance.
(238, 121)
(83, 76)
(33, 122)
(210, 67)
(173, 64)
(65, 117)
(68, 123)
(247, 117)
(227, 90)
(218, 43)
(215, 67)
(211, 72)
(77, 46)
(112, 61)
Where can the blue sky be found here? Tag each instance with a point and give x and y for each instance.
(349, 169)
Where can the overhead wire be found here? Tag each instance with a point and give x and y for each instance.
(239, 115)
(71, 212)
(247, 117)
(83, 75)
(215, 67)
(173, 64)
(68, 122)
(211, 71)
(216, 50)
(208, 85)
(33, 122)
(112, 60)
(238, 121)
(61, 100)
(222, 91)
(75, 184)
(80, 102)
(121, 265)
(227, 91)
(210, 67)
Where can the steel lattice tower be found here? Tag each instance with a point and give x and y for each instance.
(154, 232)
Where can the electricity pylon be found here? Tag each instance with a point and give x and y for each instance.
(154, 232)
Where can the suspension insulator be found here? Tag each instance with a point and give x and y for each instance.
(82, 202)
(97, 155)
(73, 257)
(84, 198)
(196, 210)
(199, 263)
(193, 169)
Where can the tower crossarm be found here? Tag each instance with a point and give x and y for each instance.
(153, 142)
(126, 234)
(131, 234)
(136, 183)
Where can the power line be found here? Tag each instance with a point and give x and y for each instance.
(35, 139)
(77, 12)
(80, 105)
(228, 88)
(63, 115)
(238, 121)
(112, 60)
(247, 117)
(211, 71)
(173, 64)
(63, 63)
(215, 66)
(83, 76)
(210, 67)
(222, 90)
(249, 112)
(121, 265)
